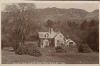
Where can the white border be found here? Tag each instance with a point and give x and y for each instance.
(19, 1)
(13, 1)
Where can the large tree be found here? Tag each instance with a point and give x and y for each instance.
(21, 21)
(50, 23)
(93, 38)
(84, 25)
(92, 23)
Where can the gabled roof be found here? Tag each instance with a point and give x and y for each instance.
(68, 40)
(47, 34)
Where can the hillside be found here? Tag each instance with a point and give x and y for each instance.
(94, 14)
(59, 16)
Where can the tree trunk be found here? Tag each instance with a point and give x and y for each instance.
(23, 39)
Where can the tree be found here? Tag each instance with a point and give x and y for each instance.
(49, 23)
(69, 23)
(92, 23)
(72, 25)
(84, 25)
(93, 39)
(21, 25)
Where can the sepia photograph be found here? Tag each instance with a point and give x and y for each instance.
(50, 33)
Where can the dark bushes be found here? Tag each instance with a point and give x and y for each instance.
(84, 48)
(21, 50)
(28, 50)
(93, 39)
(33, 52)
(60, 49)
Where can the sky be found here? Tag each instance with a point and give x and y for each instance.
(86, 6)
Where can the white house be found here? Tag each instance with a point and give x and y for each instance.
(59, 39)
(51, 39)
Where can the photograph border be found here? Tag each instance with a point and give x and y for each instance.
(12, 1)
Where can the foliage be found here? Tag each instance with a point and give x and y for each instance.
(93, 23)
(49, 23)
(34, 52)
(60, 49)
(67, 58)
(21, 50)
(25, 49)
(19, 22)
(93, 39)
(5, 42)
(90, 34)
(84, 25)
(84, 48)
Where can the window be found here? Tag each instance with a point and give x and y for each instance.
(45, 35)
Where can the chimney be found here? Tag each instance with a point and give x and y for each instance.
(51, 30)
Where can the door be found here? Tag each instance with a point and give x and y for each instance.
(45, 43)
(70, 44)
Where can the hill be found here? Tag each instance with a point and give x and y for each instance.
(65, 20)
(58, 14)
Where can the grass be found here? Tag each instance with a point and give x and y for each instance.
(49, 56)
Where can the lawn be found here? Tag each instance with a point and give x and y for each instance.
(49, 57)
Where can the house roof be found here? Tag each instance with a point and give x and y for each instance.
(73, 37)
(68, 40)
(47, 34)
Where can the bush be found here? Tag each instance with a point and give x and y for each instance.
(84, 48)
(15, 45)
(21, 50)
(60, 49)
(5, 43)
(93, 39)
(71, 49)
(34, 52)
(28, 50)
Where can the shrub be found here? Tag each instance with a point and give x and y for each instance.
(60, 49)
(71, 49)
(25, 49)
(84, 48)
(15, 45)
(34, 52)
(32, 45)
(21, 50)
(93, 39)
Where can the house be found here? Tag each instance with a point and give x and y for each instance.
(51, 39)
